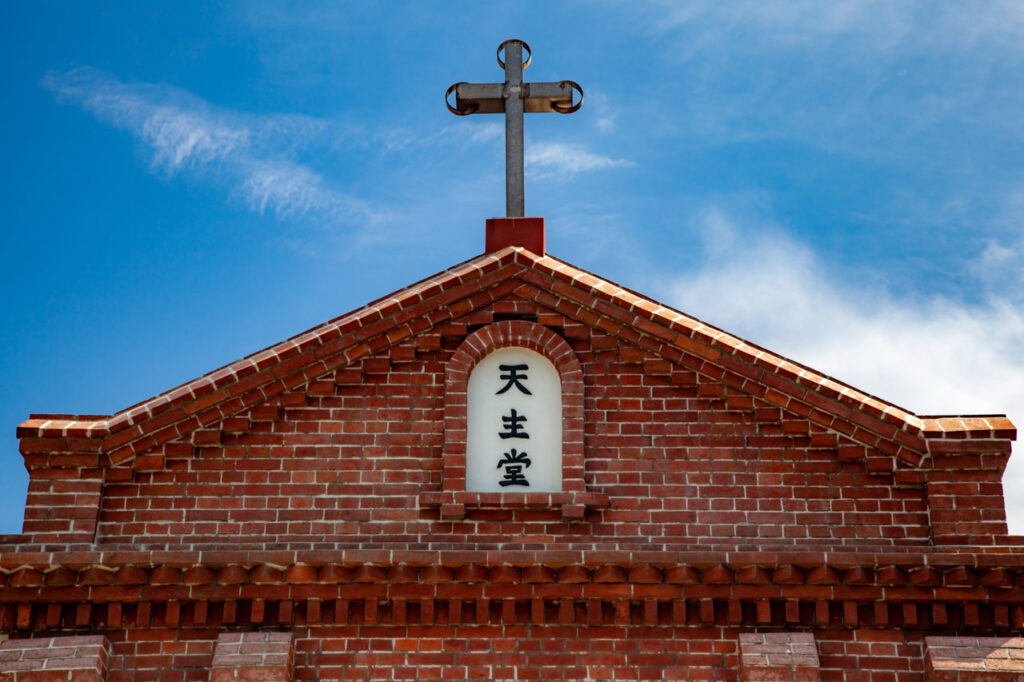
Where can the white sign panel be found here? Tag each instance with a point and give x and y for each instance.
(514, 424)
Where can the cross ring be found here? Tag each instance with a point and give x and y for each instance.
(529, 52)
(573, 107)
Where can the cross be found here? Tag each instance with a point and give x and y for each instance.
(513, 98)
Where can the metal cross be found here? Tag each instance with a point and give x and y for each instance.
(513, 98)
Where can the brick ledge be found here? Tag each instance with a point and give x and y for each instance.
(455, 504)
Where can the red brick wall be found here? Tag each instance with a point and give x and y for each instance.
(693, 459)
(685, 460)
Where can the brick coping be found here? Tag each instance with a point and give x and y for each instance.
(977, 558)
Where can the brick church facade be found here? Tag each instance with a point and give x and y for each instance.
(722, 513)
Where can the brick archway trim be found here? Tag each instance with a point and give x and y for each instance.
(453, 497)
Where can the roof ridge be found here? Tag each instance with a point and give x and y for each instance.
(810, 376)
(580, 279)
(101, 425)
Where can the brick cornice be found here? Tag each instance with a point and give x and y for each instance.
(648, 589)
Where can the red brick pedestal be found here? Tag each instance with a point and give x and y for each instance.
(525, 232)
(47, 659)
(251, 656)
(974, 659)
(777, 656)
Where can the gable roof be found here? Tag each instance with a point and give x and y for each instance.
(452, 293)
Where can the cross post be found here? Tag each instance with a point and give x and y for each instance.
(515, 200)
(513, 98)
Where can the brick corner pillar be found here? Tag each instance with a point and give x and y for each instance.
(962, 659)
(525, 232)
(81, 658)
(64, 489)
(966, 505)
(263, 656)
(777, 656)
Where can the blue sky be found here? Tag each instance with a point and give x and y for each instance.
(183, 184)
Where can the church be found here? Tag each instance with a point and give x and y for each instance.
(513, 470)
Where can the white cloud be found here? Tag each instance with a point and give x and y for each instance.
(1000, 265)
(558, 159)
(931, 355)
(251, 155)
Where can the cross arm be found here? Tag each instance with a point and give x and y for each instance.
(557, 97)
(479, 98)
(489, 98)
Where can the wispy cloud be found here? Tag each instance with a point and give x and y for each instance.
(896, 25)
(253, 157)
(486, 132)
(563, 160)
(604, 114)
(932, 355)
(865, 78)
(914, 101)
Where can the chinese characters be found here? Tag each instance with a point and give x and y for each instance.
(512, 378)
(512, 425)
(513, 462)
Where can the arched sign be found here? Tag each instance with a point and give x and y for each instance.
(514, 423)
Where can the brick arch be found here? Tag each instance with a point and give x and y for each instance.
(473, 349)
